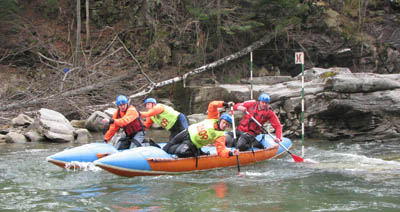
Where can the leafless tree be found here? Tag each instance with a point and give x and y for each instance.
(78, 32)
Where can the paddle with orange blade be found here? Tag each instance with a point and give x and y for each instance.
(296, 158)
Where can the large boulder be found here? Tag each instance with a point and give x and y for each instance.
(54, 126)
(94, 124)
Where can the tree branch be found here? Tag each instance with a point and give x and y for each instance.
(201, 69)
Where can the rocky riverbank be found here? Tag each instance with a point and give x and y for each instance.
(339, 105)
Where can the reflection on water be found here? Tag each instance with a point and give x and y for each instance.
(348, 177)
(220, 189)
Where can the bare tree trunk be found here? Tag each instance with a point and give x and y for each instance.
(212, 65)
(87, 25)
(78, 32)
(219, 37)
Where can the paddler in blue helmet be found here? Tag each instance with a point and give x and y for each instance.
(209, 131)
(165, 116)
(128, 118)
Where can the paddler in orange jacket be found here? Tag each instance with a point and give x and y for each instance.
(210, 131)
(128, 118)
(165, 116)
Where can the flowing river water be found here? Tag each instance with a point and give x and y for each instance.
(348, 177)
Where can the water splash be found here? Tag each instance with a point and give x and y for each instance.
(360, 165)
(81, 166)
(308, 160)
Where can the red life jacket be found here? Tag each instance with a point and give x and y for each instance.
(248, 125)
(133, 127)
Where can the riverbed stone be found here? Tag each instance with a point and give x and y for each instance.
(22, 120)
(78, 123)
(54, 126)
(93, 123)
(14, 137)
(83, 136)
(34, 136)
(2, 139)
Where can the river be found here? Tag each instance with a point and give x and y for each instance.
(349, 177)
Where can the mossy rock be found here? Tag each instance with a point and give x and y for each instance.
(328, 74)
(159, 54)
(332, 18)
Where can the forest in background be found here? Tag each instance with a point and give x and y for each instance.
(76, 56)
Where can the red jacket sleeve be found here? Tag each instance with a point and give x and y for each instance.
(221, 147)
(213, 109)
(247, 104)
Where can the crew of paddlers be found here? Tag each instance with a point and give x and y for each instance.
(186, 140)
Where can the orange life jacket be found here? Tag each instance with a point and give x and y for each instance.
(133, 127)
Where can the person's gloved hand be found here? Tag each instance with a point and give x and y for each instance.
(107, 121)
(234, 152)
(277, 140)
(106, 142)
(242, 108)
(228, 104)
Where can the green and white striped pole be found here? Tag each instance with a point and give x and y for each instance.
(251, 75)
(299, 59)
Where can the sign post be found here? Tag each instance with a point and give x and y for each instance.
(299, 59)
(251, 75)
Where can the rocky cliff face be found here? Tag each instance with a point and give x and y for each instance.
(339, 104)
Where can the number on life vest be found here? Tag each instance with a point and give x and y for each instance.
(164, 123)
(202, 132)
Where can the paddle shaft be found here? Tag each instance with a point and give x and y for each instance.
(234, 137)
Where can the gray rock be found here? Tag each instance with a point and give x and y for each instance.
(78, 123)
(83, 136)
(195, 118)
(94, 124)
(2, 139)
(54, 126)
(110, 111)
(34, 136)
(22, 120)
(14, 137)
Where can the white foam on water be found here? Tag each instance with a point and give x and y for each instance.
(254, 174)
(308, 160)
(34, 150)
(341, 208)
(81, 166)
(360, 165)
